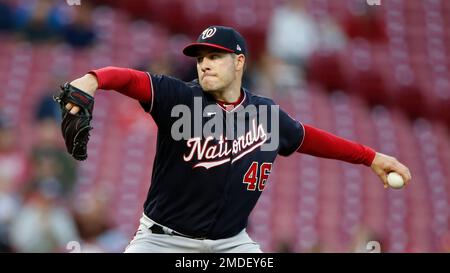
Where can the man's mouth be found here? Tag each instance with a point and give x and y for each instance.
(207, 75)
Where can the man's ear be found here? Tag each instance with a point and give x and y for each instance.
(240, 62)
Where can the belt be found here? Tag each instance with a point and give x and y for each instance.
(157, 229)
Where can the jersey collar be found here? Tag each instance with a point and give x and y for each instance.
(230, 107)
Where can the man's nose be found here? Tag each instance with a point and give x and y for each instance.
(205, 65)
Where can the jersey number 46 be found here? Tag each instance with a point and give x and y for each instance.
(251, 176)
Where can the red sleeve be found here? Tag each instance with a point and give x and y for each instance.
(319, 143)
(132, 83)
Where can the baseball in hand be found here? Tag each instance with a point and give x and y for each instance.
(395, 180)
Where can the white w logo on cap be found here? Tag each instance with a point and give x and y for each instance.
(209, 32)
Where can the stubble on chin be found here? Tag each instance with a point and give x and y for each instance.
(206, 87)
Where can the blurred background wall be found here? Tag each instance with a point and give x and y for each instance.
(377, 74)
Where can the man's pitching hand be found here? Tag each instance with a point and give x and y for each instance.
(383, 164)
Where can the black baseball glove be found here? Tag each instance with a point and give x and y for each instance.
(75, 127)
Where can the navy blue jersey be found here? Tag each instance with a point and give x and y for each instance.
(206, 186)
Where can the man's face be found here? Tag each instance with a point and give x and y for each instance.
(217, 70)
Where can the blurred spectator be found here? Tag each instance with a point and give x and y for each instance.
(48, 146)
(46, 173)
(40, 27)
(272, 76)
(46, 150)
(80, 32)
(292, 34)
(6, 16)
(43, 225)
(97, 233)
(14, 171)
(292, 37)
(324, 65)
(47, 108)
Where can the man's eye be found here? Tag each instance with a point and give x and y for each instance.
(199, 59)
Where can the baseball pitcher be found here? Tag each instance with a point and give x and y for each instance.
(216, 146)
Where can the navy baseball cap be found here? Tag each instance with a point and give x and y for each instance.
(219, 37)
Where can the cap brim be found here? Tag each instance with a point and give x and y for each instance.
(191, 50)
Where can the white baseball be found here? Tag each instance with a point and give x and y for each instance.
(395, 180)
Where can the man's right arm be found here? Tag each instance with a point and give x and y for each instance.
(133, 83)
